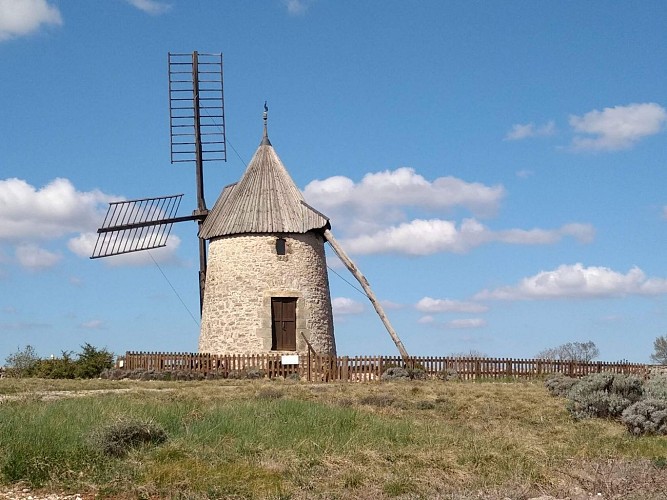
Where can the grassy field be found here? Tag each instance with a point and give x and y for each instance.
(289, 440)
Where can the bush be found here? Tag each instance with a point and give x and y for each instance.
(418, 374)
(395, 373)
(379, 400)
(559, 385)
(628, 386)
(118, 438)
(595, 404)
(656, 387)
(63, 367)
(648, 416)
(449, 374)
(425, 405)
(22, 363)
(255, 373)
(603, 395)
(92, 361)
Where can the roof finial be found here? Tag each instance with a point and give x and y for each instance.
(265, 138)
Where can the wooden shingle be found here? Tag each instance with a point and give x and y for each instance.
(264, 200)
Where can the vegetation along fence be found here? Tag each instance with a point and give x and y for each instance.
(324, 368)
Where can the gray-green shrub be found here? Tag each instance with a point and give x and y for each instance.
(656, 387)
(648, 416)
(558, 384)
(603, 395)
(396, 373)
(118, 438)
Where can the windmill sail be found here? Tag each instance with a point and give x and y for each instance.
(134, 225)
(196, 107)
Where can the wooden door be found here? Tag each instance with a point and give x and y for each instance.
(283, 316)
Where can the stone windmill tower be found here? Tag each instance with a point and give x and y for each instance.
(264, 287)
(267, 287)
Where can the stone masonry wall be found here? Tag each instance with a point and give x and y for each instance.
(244, 272)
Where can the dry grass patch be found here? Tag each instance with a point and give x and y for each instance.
(281, 439)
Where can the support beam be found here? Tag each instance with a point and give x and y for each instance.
(369, 293)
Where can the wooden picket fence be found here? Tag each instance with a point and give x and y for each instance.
(324, 368)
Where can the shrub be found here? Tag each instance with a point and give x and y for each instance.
(254, 373)
(270, 393)
(22, 363)
(595, 404)
(656, 387)
(417, 374)
(449, 374)
(118, 438)
(603, 395)
(425, 405)
(92, 361)
(379, 400)
(558, 384)
(63, 367)
(396, 373)
(648, 416)
(628, 386)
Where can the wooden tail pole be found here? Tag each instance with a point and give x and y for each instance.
(369, 293)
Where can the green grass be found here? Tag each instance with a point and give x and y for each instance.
(263, 439)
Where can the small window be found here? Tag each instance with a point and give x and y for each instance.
(280, 246)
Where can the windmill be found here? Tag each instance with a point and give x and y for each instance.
(265, 278)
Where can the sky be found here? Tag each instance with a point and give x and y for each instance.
(497, 170)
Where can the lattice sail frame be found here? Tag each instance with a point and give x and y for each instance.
(196, 107)
(135, 225)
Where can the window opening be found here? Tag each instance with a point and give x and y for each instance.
(280, 246)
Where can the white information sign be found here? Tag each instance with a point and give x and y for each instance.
(290, 359)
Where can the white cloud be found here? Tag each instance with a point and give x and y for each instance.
(22, 17)
(344, 306)
(466, 323)
(383, 214)
(426, 237)
(23, 326)
(151, 7)
(523, 131)
(426, 320)
(577, 281)
(35, 258)
(57, 209)
(617, 128)
(524, 173)
(29, 214)
(93, 324)
(84, 244)
(430, 305)
(390, 305)
(390, 193)
(664, 212)
(296, 7)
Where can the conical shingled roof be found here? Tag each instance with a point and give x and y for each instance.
(265, 200)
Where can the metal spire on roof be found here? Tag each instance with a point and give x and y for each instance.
(265, 138)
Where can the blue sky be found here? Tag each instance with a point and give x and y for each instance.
(496, 169)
